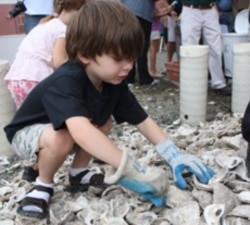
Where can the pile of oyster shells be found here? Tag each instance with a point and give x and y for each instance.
(224, 201)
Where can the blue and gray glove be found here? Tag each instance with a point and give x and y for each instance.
(179, 162)
(149, 182)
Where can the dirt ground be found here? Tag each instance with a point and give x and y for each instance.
(162, 101)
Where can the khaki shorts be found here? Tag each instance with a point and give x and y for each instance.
(26, 142)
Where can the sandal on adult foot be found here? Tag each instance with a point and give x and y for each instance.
(156, 74)
(96, 180)
(38, 202)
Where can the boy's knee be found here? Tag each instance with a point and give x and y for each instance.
(66, 141)
(61, 142)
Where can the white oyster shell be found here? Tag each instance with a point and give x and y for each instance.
(213, 214)
(186, 214)
(244, 196)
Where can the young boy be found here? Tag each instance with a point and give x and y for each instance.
(75, 105)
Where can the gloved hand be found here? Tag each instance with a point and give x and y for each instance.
(150, 182)
(179, 162)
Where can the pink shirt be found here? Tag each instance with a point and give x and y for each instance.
(33, 59)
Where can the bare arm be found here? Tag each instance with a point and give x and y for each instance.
(151, 131)
(163, 9)
(59, 55)
(93, 141)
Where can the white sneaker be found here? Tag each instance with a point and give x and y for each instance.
(155, 82)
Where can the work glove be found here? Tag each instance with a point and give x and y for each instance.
(149, 182)
(179, 162)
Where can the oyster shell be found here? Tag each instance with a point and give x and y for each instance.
(204, 198)
(244, 196)
(225, 160)
(213, 214)
(176, 196)
(241, 211)
(145, 218)
(223, 195)
(186, 213)
(218, 143)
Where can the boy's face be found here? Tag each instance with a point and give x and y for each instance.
(106, 68)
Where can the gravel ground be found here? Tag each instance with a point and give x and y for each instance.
(162, 104)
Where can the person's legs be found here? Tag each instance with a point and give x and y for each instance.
(212, 37)
(191, 24)
(142, 61)
(54, 146)
(41, 143)
(226, 18)
(31, 21)
(80, 177)
(19, 90)
(171, 48)
(170, 51)
(153, 50)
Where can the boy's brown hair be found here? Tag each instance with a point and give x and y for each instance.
(104, 27)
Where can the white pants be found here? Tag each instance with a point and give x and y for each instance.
(195, 22)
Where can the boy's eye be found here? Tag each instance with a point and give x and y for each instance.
(117, 58)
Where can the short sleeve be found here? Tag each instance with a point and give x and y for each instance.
(128, 108)
(61, 101)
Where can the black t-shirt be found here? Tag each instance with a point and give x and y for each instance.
(68, 92)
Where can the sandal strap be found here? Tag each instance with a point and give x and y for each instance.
(41, 203)
(49, 190)
(95, 179)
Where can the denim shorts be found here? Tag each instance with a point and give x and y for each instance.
(25, 142)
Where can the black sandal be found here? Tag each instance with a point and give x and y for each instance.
(30, 174)
(38, 202)
(96, 180)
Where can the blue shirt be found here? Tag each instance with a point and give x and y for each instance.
(224, 5)
(141, 8)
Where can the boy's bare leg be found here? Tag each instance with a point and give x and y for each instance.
(80, 177)
(54, 148)
(81, 159)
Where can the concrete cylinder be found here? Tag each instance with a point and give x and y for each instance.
(7, 109)
(193, 83)
(241, 77)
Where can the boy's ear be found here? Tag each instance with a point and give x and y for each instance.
(83, 59)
